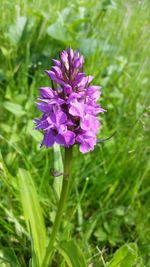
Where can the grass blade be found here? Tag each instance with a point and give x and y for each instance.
(8, 258)
(72, 254)
(32, 213)
(126, 256)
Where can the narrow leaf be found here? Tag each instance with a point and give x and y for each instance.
(126, 256)
(72, 254)
(14, 108)
(8, 258)
(58, 32)
(32, 213)
(15, 31)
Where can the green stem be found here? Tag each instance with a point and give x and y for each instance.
(61, 205)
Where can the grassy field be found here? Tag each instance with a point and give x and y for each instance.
(109, 202)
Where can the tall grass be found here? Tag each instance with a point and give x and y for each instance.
(109, 200)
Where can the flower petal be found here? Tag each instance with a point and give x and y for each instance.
(46, 92)
(48, 140)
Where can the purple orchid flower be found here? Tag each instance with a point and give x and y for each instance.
(69, 109)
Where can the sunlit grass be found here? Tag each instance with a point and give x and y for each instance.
(114, 37)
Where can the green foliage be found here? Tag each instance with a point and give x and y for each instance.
(109, 203)
(16, 109)
(58, 32)
(16, 31)
(72, 254)
(8, 258)
(126, 256)
(33, 216)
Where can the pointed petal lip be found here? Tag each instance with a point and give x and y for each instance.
(43, 107)
(54, 78)
(83, 149)
(48, 72)
(85, 145)
(60, 140)
(103, 110)
(76, 109)
(78, 78)
(51, 74)
(67, 139)
(78, 63)
(57, 71)
(70, 52)
(64, 56)
(46, 140)
(76, 54)
(51, 101)
(47, 92)
(85, 82)
(94, 87)
(46, 87)
(90, 78)
(56, 62)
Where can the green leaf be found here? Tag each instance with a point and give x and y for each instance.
(58, 169)
(8, 258)
(72, 254)
(126, 256)
(15, 31)
(32, 213)
(14, 108)
(100, 234)
(4, 168)
(59, 32)
(88, 45)
(5, 51)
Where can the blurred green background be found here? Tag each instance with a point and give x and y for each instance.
(110, 186)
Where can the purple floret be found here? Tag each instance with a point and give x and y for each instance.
(69, 109)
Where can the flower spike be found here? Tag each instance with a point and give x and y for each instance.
(69, 107)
